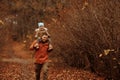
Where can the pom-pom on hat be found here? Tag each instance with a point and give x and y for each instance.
(40, 24)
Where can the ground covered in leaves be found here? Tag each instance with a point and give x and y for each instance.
(16, 64)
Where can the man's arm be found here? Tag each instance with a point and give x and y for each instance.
(32, 45)
(50, 48)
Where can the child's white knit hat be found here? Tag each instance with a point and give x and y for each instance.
(40, 24)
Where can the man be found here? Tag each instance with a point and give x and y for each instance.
(41, 56)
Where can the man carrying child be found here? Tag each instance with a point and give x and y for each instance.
(42, 48)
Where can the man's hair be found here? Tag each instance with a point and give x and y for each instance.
(45, 34)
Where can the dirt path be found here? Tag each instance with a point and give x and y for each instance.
(17, 64)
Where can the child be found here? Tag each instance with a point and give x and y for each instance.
(39, 32)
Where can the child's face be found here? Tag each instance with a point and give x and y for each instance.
(44, 38)
(41, 27)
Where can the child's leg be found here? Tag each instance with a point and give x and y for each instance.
(37, 43)
(50, 45)
(36, 34)
(50, 41)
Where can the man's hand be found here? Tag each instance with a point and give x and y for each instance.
(32, 45)
(50, 47)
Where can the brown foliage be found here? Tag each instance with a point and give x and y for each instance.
(81, 29)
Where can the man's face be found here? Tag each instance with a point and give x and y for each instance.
(44, 38)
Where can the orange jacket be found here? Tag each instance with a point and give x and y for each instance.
(41, 55)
